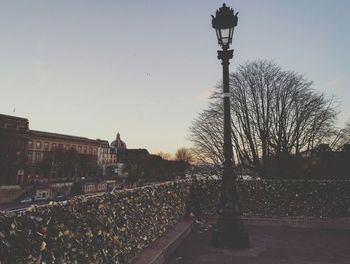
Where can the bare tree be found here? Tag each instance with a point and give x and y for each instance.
(165, 156)
(185, 157)
(338, 137)
(207, 138)
(184, 154)
(275, 113)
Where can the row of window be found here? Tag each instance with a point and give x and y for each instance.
(105, 159)
(105, 150)
(102, 187)
(38, 156)
(46, 146)
(92, 187)
(106, 156)
(17, 126)
(109, 161)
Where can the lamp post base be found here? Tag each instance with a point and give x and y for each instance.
(229, 232)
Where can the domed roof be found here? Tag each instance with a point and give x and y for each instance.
(118, 143)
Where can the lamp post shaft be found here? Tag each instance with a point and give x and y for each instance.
(228, 231)
(227, 195)
(225, 56)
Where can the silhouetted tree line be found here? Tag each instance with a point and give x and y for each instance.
(185, 158)
(276, 117)
(67, 165)
(158, 169)
(162, 167)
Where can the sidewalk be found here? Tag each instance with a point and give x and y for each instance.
(270, 244)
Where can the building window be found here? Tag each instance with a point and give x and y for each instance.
(30, 143)
(46, 145)
(38, 144)
(85, 149)
(74, 147)
(42, 194)
(101, 187)
(53, 145)
(90, 188)
(46, 155)
(37, 157)
(30, 156)
(60, 146)
(67, 146)
(79, 148)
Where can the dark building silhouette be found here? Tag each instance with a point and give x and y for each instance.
(323, 163)
(134, 161)
(14, 135)
(132, 155)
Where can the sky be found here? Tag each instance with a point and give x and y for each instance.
(146, 68)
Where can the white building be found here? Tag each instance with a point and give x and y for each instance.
(105, 154)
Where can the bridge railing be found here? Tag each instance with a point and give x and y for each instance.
(113, 227)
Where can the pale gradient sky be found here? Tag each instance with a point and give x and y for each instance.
(145, 68)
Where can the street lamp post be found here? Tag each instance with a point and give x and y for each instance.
(228, 231)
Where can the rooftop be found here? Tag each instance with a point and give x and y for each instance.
(62, 136)
(13, 117)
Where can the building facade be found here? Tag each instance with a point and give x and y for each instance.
(14, 135)
(106, 155)
(53, 156)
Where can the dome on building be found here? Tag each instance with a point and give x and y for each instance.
(118, 143)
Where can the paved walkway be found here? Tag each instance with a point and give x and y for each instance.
(270, 245)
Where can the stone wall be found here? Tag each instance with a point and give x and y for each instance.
(10, 193)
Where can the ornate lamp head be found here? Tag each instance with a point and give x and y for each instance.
(224, 23)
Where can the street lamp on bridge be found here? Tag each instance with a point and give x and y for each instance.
(228, 231)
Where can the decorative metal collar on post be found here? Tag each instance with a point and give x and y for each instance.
(228, 231)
